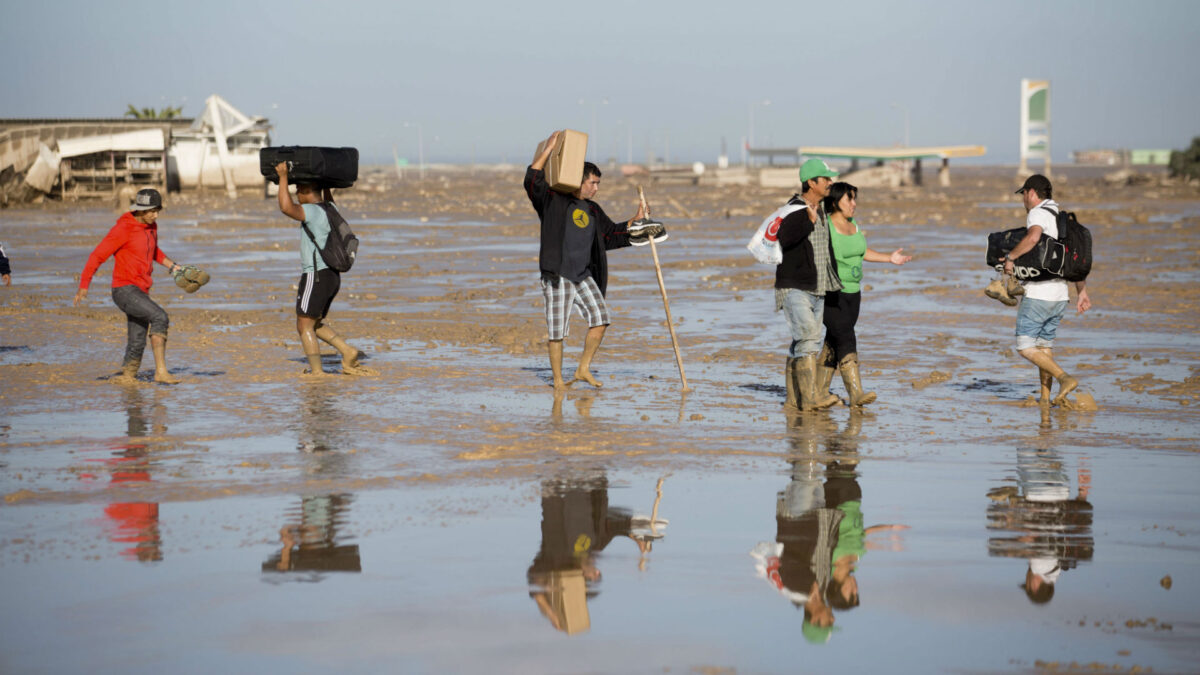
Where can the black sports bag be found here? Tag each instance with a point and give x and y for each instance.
(1043, 262)
(330, 167)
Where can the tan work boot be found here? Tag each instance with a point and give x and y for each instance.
(806, 384)
(789, 376)
(850, 377)
(996, 291)
(128, 374)
(826, 364)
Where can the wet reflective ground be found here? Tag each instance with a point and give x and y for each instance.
(564, 572)
(452, 515)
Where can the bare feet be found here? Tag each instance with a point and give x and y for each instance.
(308, 372)
(351, 362)
(164, 377)
(357, 370)
(586, 376)
(124, 378)
(1066, 385)
(560, 386)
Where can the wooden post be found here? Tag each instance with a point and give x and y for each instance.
(663, 290)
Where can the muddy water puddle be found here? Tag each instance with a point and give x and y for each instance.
(378, 579)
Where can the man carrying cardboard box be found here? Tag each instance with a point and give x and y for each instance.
(575, 235)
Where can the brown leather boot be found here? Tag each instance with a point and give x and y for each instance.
(850, 377)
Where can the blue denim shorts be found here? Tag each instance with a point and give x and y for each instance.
(803, 311)
(1037, 322)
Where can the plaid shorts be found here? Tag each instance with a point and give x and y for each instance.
(561, 294)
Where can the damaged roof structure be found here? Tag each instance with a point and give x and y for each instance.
(106, 157)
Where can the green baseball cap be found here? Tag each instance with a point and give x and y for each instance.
(815, 168)
(817, 635)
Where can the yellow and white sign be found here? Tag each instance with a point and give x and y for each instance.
(1035, 122)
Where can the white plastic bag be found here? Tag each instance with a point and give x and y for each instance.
(764, 245)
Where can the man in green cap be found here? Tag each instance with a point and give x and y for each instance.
(806, 274)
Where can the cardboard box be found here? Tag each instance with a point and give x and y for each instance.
(564, 169)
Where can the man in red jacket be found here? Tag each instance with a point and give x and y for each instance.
(133, 243)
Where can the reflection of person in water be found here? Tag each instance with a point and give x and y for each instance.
(311, 545)
(819, 530)
(321, 423)
(1044, 524)
(842, 492)
(136, 522)
(798, 563)
(577, 523)
(309, 539)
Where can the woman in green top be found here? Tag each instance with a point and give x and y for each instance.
(840, 351)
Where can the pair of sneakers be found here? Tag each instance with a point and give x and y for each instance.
(642, 231)
(1005, 290)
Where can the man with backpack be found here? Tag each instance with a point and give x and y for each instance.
(319, 283)
(1045, 301)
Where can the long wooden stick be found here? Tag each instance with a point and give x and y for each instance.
(654, 509)
(662, 287)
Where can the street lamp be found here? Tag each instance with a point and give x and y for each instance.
(750, 136)
(420, 145)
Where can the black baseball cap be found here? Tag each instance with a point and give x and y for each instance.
(147, 199)
(1038, 183)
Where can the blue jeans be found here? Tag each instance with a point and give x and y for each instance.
(142, 314)
(1037, 322)
(803, 311)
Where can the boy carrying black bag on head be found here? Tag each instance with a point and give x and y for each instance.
(319, 284)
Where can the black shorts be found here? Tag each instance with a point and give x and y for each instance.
(316, 293)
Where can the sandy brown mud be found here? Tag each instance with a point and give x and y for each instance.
(445, 305)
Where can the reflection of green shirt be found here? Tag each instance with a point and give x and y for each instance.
(848, 250)
(851, 535)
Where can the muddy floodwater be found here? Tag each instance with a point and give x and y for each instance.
(451, 514)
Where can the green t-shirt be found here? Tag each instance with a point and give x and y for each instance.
(848, 251)
(318, 224)
(851, 534)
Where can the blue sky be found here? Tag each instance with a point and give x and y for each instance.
(490, 79)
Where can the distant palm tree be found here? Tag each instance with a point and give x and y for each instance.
(152, 114)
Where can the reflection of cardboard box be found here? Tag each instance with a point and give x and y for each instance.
(568, 597)
(564, 169)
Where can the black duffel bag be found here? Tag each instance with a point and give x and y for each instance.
(1041, 263)
(330, 167)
